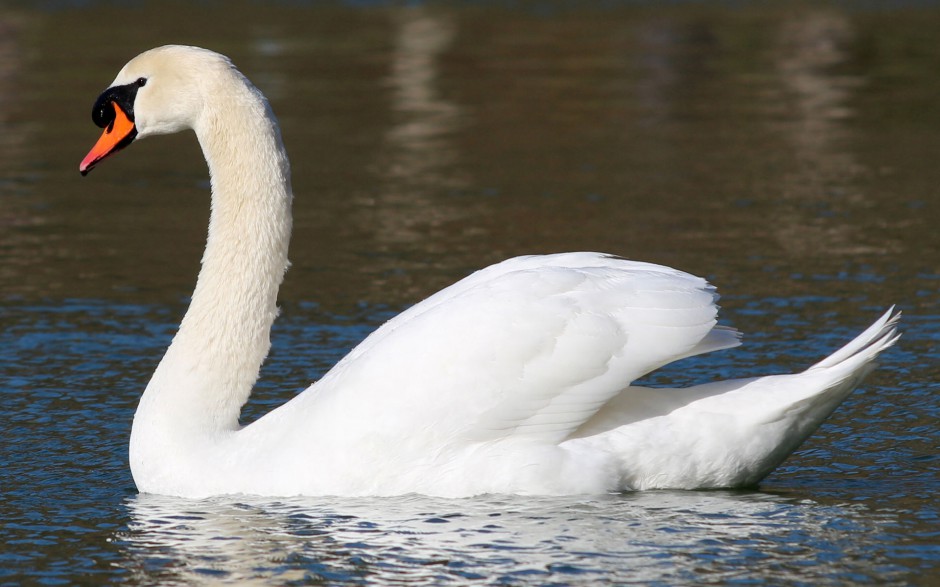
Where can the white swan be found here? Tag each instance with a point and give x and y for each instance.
(515, 379)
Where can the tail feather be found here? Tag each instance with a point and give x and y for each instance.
(876, 338)
(730, 433)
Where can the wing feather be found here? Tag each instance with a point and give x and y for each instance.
(530, 348)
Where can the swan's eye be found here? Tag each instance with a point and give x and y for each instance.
(141, 82)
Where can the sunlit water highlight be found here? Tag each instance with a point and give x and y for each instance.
(785, 152)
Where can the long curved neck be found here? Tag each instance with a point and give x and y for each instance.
(210, 368)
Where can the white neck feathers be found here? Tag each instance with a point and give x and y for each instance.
(209, 370)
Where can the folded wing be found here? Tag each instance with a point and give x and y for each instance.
(530, 348)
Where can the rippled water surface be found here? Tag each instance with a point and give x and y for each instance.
(786, 153)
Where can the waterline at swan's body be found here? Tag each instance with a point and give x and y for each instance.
(515, 379)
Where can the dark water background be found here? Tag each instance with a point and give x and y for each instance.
(786, 151)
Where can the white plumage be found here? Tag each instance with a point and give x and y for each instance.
(516, 379)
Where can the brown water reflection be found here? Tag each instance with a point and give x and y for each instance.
(20, 221)
(433, 140)
(786, 152)
(809, 48)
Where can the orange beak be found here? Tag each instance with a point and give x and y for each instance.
(117, 135)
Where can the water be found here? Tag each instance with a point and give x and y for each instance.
(786, 153)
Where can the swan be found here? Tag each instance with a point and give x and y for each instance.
(516, 379)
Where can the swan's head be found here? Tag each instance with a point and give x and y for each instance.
(160, 91)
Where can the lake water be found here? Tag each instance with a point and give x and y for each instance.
(787, 153)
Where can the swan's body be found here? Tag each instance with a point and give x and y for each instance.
(515, 379)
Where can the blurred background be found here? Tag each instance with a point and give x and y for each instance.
(779, 149)
(787, 151)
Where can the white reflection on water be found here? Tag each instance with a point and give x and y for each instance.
(655, 537)
(816, 102)
(418, 160)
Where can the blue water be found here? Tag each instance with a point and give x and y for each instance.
(785, 151)
(856, 505)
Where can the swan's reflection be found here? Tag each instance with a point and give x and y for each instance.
(655, 536)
